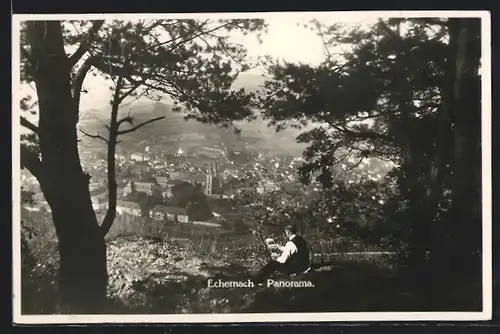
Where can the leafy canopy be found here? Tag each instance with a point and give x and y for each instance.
(193, 62)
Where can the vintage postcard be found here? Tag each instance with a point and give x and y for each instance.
(257, 167)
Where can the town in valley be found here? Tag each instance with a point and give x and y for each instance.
(152, 182)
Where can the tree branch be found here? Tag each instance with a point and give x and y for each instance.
(388, 30)
(30, 160)
(140, 125)
(88, 39)
(127, 119)
(130, 91)
(365, 134)
(434, 21)
(27, 124)
(111, 163)
(25, 53)
(76, 87)
(96, 136)
(187, 39)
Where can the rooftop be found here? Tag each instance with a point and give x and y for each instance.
(175, 182)
(195, 177)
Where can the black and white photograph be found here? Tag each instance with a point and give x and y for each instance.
(251, 167)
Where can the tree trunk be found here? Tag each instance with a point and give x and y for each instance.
(83, 272)
(83, 268)
(466, 187)
(419, 214)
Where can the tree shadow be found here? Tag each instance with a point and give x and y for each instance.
(356, 287)
(334, 289)
(337, 287)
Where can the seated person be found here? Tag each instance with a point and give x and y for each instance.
(294, 258)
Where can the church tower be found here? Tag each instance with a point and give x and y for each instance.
(209, 181)
(216, 180)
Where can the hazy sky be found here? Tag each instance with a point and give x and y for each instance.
(286, 39)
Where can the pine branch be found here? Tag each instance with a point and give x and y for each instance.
(85, 45)
(96, 136)
(122, 132)
(76, 87)
(27, 124)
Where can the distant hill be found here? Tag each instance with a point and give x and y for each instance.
(174, 132)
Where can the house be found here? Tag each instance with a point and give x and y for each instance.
(175, 175)
(99, 198)
(167, 193)
(131, 208)
(194, 179)
(145, 187)
(137, 157)
(142, 187)
(172, 183)
(128, 189)
(173, 213)
(120, 158)
(162, 180)
(99, 203)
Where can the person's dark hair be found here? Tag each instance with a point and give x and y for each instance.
(291, 228)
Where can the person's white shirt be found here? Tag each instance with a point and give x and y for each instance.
(288, 250)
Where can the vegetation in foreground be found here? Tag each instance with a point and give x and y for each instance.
(164, 275)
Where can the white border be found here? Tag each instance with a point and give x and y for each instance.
(486, 314)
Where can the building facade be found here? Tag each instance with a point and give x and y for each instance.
(128, 189)
(162, 180)
(172, 213)
(144, 187)
(130, 208)
(99, 203)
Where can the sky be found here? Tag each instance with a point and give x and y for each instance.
(286, 39)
